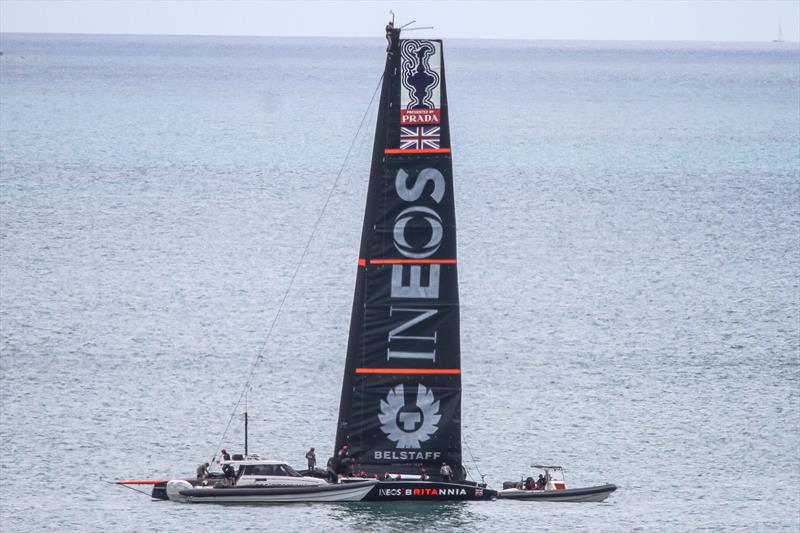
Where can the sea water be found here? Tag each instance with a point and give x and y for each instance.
(629, 242)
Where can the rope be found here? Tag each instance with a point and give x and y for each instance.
(474, 462)
(149, 495)
(297, 270)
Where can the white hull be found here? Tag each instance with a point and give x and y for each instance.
(332, 493)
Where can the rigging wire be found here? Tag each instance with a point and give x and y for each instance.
(474, 462)
(296, 270)
(149, 495)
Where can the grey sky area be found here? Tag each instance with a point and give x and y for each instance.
(590, 20)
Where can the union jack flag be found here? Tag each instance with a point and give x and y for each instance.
(419, 137)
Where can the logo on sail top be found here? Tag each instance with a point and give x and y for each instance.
(420, 96)
(409, 425)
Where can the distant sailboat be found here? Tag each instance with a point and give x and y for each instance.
(780, 35)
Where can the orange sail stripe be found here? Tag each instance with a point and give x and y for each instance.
(362, 262)
(420, 151)
(408, 370)
(409, 262)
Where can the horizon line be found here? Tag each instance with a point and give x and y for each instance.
(382, 38)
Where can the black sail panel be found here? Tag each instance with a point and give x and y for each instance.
(400, 409)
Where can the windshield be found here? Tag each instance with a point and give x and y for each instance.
(270, 470)
(291, 471)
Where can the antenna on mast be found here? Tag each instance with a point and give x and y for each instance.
(245, 424)
(407, 24)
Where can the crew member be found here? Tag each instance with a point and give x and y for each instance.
(446, 472)
(342, 459)
(225, 455)
(230, 474)
(202, 471)
(541, 482)
(423, 475)
(311, 457)
(343, 452)
(332, 477)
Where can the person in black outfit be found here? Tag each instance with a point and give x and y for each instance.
(225, 455)
(230, 475)
(332, 477)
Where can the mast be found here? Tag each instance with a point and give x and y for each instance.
(400, 407)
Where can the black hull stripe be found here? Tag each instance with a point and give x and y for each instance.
(564, 493)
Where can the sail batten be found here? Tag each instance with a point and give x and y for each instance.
(411, 261)
(408, 371)
(400, 408)
(400, 151)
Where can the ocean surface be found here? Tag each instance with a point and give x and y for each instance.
(629, 251)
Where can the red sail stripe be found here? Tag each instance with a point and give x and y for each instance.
(420, 151)
(408, 370)
(412, 262)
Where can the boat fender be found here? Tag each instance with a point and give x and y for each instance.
(174, 488)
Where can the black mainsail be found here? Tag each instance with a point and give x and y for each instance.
(400, 408)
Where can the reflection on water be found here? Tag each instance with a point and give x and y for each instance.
(416, 516)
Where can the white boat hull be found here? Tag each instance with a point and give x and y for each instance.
(183, 492)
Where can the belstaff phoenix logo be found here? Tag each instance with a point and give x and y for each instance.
(408, 425)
